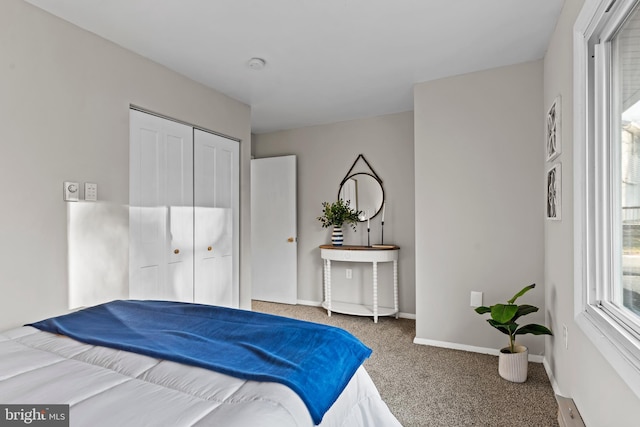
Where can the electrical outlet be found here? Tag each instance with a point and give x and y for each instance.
(565, 335)
(349, 273)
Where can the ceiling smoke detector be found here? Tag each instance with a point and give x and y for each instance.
(257, 63)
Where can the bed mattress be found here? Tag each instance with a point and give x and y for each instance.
(108, 387)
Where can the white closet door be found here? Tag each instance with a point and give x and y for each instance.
(216, 200)
(161, 209)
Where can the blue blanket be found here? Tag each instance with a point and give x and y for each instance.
(316, 361)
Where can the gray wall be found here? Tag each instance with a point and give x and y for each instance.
(324, 155)
(580, 371)
(64, 106)
(479, 199)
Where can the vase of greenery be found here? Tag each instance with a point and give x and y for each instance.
(335, 215)
(513, 360)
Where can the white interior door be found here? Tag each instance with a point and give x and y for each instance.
(161, 209)
(217, 201)
(274, 244)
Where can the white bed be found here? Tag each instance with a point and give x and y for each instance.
(107, 387)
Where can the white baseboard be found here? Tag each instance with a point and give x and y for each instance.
(536, 358)
(552, 379)
(483, 350)
(407, 315)
(319, 304)
(309, 303)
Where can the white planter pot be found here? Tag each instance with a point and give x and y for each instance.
(513, 366)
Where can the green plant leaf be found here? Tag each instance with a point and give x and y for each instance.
(525, 309)
(504, 316)
(534, 329)
(482, 310)
(506, 328)
(500, 326)
(522, 292)
(337, 213)
(503, 313)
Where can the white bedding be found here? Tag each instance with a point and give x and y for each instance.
(107, 387)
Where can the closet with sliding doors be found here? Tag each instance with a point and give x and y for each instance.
(183, 212)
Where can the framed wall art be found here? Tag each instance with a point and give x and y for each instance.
(553, 142)
(554, 192)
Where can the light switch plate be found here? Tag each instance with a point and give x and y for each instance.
(90, 192)
(476, 299)
(71, 191)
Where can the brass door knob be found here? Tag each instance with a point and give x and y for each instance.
(209, 248)
(176, 251)
(291, 239)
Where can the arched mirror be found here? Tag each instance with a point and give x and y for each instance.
(364, 193)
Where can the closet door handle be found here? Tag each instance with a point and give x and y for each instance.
(209, 248)
(291, 239)
(176, 251)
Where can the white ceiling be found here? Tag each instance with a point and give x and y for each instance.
(327, 60)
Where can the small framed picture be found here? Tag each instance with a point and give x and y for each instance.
(554, 147)
(554, 192)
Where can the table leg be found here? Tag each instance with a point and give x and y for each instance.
(375, 292)
(327, 284)
(395, 287)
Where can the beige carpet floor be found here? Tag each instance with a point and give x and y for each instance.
(428, 386)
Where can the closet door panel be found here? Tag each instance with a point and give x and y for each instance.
(217, 270)
(214, 195)
(216, 198)
(224, 199)
(147, 215)
(148, 283)
(224, 183)
(223, 274)
(179, 199)
(151, 214)
(180, 253)
(179, 170)
(161, 209)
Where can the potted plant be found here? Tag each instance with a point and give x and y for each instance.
(335, 215)
(513, 360)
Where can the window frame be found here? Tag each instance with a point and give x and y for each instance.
(596, 246)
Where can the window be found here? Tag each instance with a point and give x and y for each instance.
(617, 56)
(607, 166)
(625, 294)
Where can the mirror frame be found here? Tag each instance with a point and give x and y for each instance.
(378, 180)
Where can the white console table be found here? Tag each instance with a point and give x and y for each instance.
(374, 255)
